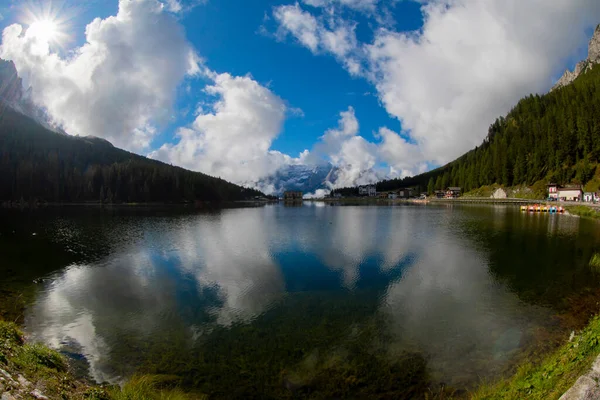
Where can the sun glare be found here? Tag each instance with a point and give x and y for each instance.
(46, 30)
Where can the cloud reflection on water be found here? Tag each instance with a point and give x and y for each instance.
(199, 270)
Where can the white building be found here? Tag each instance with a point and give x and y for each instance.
(570, 194)
(590, 197)
(392, 196)
(367, 190)
(553, 191)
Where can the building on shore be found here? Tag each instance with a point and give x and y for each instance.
(367, 190)
(407, 193)
(553, 191)
(392, 195)
(440, 194)
(453, 192)
(570, 193)
(292, 195)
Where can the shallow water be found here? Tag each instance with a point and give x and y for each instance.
(313, 301)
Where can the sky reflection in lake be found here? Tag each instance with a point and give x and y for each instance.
(433, 280)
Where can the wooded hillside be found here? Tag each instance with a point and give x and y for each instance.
(37, 164)
(554, 137)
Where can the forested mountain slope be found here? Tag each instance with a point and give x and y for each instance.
(37, 164)
(554, 137)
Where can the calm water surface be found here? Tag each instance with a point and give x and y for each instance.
(291, 302)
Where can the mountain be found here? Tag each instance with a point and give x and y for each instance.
(585, 65)
(11, 85)
(304, 178)
(549, 138)
(13, 96)
(310, 178)
(41, 164)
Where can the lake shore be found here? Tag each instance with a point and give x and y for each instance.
(34, 371)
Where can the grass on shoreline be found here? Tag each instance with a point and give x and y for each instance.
(49, 370)
(584, 211)
(554, 375)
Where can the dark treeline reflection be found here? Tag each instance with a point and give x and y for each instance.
(310, 301)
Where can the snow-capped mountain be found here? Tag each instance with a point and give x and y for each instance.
(304, 178)
(311, 178)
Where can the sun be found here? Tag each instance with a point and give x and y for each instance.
(44, 29)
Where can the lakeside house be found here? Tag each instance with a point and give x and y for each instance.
(553, 191)
(440, 194)
(453, 192)
(292, 195)
(570, 193)
(392, 195)
(367, 190)
(591, 197)
(407, 193)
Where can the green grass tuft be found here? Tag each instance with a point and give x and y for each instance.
(148, 387)
(595, 262)
(584, 211)
(35, 357)
(11, 338)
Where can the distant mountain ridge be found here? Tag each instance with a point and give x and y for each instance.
(585, 65)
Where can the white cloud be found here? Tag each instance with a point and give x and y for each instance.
(359, 5)
(120, 83)
(233, 141)
(352, 154)
(174, 6)
(402, 157)
(319, 35)
(470, 63)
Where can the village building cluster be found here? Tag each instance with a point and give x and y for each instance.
(571, 193)
(405, 193)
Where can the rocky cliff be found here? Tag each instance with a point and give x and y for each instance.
(585, 65)
(10, 83)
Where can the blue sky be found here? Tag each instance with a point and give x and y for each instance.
(378, 88)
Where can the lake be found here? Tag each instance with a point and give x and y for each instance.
(311, 301)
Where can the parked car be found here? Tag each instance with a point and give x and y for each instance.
(552, 199)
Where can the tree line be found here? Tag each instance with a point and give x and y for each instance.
(37, 164)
